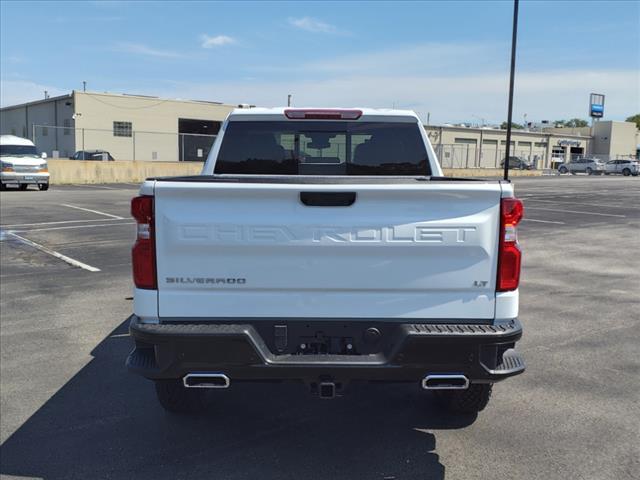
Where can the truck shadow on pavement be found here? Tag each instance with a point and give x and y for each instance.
(106, 423)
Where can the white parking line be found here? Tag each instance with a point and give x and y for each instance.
(53, 253)
(577, 203)
(47, 229)
(94, 186)
(576, 211)
(93, 211)
(60, 222)
(542, 221)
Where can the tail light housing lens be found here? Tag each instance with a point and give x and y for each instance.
(143, 254)
(509, 255)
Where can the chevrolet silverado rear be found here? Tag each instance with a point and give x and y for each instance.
(325, 246)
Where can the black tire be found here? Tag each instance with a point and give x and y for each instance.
(24, 186)
(3, 186)
(626, 172)
(563, 170)
(175, 398)
(43, 186)
(472, 400)
(589, 171)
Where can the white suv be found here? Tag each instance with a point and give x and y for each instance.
(590, 166)
(21, 164)
(624, 167)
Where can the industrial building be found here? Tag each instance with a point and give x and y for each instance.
(137, 127)
(129, 127)
(465, 147)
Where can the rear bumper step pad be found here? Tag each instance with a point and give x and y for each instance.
(406, 352)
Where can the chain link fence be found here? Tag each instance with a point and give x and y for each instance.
(471, 156)
(67, 142)
(99, 144)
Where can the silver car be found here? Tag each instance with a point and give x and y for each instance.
(622, 167)
(590, 166)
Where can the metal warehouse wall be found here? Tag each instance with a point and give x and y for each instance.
(154, 123)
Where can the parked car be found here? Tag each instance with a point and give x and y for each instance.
(21, 164)
(590, 166)
(623, 167)
(266, 267)
(517, 163)
(98, 155)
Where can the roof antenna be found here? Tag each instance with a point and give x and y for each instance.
(511, 79)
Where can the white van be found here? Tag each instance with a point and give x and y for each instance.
(21, 164)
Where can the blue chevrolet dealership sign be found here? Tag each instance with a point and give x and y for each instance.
(596, 105)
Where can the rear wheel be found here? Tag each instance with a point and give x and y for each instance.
(472, 400)
(589, 171)
(43, 186)
(626, 172)
(3, 186)
(24, 186)
(563, 170)
(175, 398)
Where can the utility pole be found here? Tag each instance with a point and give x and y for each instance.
(514, 37)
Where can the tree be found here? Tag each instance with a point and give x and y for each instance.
(573, 123)
(515, 126)
(635, 119)
(576, 123)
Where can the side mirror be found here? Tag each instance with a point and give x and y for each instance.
(44, 155)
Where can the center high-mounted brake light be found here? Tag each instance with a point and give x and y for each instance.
(322, 114)
(509, 255)
(143, 254)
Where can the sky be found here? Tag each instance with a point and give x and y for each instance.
(445, 60)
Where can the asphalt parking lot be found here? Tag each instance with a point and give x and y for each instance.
(69, 409)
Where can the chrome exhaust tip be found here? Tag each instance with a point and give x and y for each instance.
(206, 380)
(445, 382)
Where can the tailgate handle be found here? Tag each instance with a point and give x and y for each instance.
(328, 199)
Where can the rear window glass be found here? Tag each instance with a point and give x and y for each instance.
(322, 148)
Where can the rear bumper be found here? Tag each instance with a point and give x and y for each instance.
(264, 350)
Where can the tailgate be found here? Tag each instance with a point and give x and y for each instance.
(423, 251)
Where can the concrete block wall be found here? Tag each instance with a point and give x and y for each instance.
(86, 172)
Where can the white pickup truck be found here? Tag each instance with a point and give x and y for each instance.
(325, 246)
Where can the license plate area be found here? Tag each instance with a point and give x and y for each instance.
(328, 337)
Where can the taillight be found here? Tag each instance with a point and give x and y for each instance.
(322, 114)
(143, 254)
(509, 255)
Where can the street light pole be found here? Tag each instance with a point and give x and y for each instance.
(514, 37)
